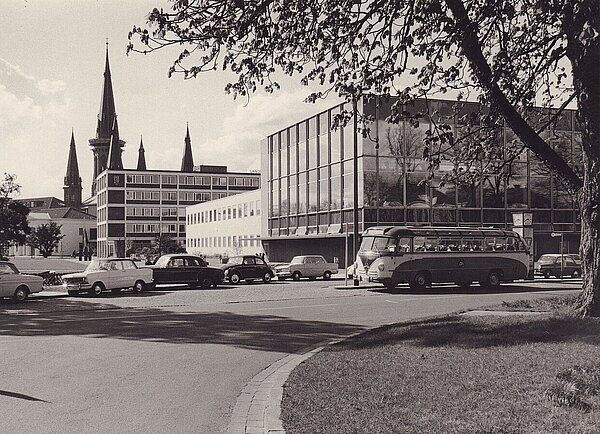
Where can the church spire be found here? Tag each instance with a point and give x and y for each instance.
(114, 152)
(141, 164)
(72, 182)
(187, 163)
(107, 104)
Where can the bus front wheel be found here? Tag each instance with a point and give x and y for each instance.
(419, 281)
(493, 279)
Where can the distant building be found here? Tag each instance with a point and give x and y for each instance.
(78, 226)
(229, 226)
(308, 183)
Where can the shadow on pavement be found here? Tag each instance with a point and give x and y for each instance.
(475, 289)
(72, 317)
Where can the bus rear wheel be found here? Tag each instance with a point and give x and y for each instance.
(419, 281)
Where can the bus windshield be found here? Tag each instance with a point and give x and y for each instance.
(376, 244)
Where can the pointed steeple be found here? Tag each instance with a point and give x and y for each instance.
(141, 164)
(114, 152)
(187, 163)
(72, 182)
(107, 104)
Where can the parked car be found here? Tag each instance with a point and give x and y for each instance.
(311, 266)
(550, 265)
(108, 274)
(188, 269)
(248, 267)
(16, 285)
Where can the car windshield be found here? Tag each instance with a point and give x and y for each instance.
(162, 261)
(545, 259)
(236, 260)
(98, 264)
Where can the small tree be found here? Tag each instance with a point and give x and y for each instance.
(166, 244)
(45, 238)
(14, 227)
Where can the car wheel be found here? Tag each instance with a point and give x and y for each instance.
(296, 275)
(139, 286)
(493, 279)
(205, 282)
(546, 275)
(327, 275)
(575, 273)
(266, 277)
(235, 278)
(419, 281)
(97, 289)
(21, 293)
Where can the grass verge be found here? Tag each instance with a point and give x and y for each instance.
(457, 374)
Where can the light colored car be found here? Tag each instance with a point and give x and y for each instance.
(311, 266)
(16, 285)
(110, 274)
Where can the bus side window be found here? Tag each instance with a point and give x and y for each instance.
(403, 245)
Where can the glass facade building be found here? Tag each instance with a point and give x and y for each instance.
(308, 182)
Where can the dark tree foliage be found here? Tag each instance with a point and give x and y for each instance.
(45, 238)
(512, 56)
(14, 226)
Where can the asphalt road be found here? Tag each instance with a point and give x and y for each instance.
(176, 360)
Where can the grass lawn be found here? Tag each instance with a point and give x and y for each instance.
(457, 374)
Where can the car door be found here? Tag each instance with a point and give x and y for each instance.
(192, 269)
(115, 276)
(129, 273)
(250, 268)
(261, 267)
(176, 270)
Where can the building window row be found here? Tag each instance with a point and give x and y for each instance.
(142, 228)
(247, 209)
(231, 241)
(143, 179)
(143, 195)
(143, 212)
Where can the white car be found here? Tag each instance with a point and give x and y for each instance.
(110, 274)
(16, 285)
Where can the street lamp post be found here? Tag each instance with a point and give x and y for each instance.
(562, 259)
(355, 176)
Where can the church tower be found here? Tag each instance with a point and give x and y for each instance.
(107, 131)
(187, 162)
(141, 164)
(72, 183)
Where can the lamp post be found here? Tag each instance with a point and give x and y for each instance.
(562, 259)
(377, 159)
(355, 176)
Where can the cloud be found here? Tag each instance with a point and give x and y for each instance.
(45, 86)
(15, 69)
(244, 130)
(13, 108)
(49, 87)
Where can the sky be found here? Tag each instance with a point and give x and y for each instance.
(52, 55)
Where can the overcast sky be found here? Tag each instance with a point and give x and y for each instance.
(51, 74)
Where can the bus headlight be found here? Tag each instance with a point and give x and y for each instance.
(381, 267)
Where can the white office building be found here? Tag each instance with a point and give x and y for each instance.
(228, 226)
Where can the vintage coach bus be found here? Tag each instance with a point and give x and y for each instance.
(420, 256)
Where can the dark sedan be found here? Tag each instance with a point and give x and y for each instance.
(181, 268)
(238, 268)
